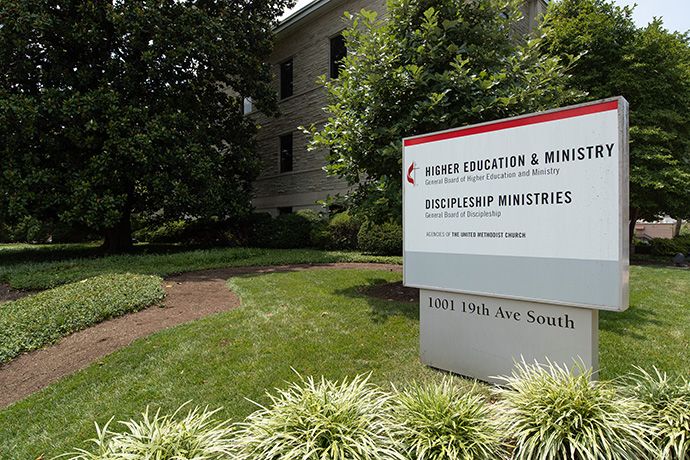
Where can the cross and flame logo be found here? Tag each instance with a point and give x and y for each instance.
(412, 173)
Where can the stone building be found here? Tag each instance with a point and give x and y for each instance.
(308, 44)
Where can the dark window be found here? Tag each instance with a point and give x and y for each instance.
(286, 79)
(285, 210)
(286, 153)
(338, 52)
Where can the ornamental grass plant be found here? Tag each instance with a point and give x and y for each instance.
(313, 420)
(197, 436)
(667, 401)
(438, 421)
(554, 413)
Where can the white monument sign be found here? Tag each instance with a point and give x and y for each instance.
(526, 217)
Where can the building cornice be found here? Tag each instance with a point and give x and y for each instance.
(311, 11)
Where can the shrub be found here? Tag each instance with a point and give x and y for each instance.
(668, 404)
(5, 233)
(197, 437)
(32, 230)
(319, 420)
(294, 229)
(642, 247)
(167, 232)
(195, 232)
(28, 230)
(256, 228)
(380, 239)
(64, 233)
(338, 233)
(438, 422)
(33, 322)
(555, 414)
(287, 231)
(670, 247)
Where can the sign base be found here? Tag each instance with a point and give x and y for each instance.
(483, 337)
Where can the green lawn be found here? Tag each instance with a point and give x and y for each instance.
(315, 323)
(655, 330)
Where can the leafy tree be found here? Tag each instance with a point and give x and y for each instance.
(650, 67)
(429, 65)
(114, 107)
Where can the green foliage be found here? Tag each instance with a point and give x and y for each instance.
(33, 322)
(428, 66)
(556, 414)
(62, 233)
(438, 422)
(167, 232)
(197, 436)
(685, 229)
(253, 228)
(108, 108)
(658, 89)
(642, 246)
(31, 230)
(35, 231)
(667, 401)
(338, 232)
(314, 420)
(199, 232)
(670, 246)
(6, 234)
(381, 239)
(648, 66)
(27, 230)
(597, 30)
(287, 231)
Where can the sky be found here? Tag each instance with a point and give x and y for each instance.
(300, 4)
(675, 13)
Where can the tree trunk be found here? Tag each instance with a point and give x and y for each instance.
(631, 229)
(676, 228)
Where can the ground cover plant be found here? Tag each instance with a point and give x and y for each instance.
(33, 322)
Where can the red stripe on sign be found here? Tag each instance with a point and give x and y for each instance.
(514, 123)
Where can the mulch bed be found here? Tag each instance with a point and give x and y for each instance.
(8, 294)
(394, 291)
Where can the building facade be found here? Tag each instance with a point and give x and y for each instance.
(308, 44)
